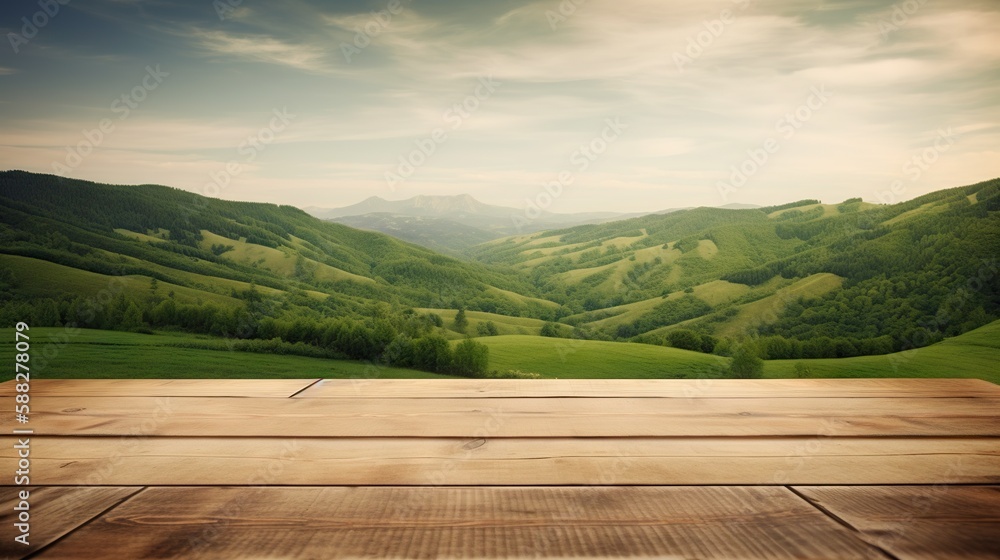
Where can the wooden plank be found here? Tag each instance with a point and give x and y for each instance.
(203, 523)
(554, 417)
(922, 522)
(503, 462)
(53, 513)
(663, 388)
(161, 387)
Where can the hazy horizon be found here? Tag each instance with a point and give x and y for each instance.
(575, 105)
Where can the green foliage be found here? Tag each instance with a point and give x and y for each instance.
(686, 339)
(551, 330)
(772, 209)
(461, 321)
(220, 249)
(745, 364)
(432, 353)
(487, 328)
(471, 358)
(670, 312)
(686, 244)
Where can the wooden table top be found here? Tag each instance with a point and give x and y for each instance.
(798, 468)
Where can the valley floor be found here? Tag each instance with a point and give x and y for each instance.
(111, 354)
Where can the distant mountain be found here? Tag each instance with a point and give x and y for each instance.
(436, 206)
(439, 234)
(451, 223)
(466, 210)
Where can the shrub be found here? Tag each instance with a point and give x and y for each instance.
(471, 358)
(746, 364)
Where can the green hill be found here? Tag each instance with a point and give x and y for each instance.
(800, 281)
(138, 258)
(854, 278)
(973, 354)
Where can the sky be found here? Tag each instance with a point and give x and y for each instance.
(563, 105)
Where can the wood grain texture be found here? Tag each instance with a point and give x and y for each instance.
(54, 512)
(161, 387)
(553, 417)
(507, 461)
(919, 522)
(663, 388)
(225, 523)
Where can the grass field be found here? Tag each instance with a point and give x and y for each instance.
(591, 359)
(111, 354)
(973, 354)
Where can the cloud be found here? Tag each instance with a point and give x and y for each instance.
(259, 48)
(890, 93)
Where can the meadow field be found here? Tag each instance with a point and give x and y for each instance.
(111, 354)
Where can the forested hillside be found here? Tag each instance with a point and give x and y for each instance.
(810, 279)
(140, 257)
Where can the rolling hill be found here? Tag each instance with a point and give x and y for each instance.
(800, 281)
(206, 248)
(851, 278)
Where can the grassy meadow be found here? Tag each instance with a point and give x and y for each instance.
(112, 354)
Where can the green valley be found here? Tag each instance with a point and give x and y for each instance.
(813, 289)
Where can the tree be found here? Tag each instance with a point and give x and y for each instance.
(471, 358)
(132, 319)
(45, 313)
(488, 328)
(550, 329)
(685, 339)
(461, 321)
(432, 353)
(399, 352)
(746, 364)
